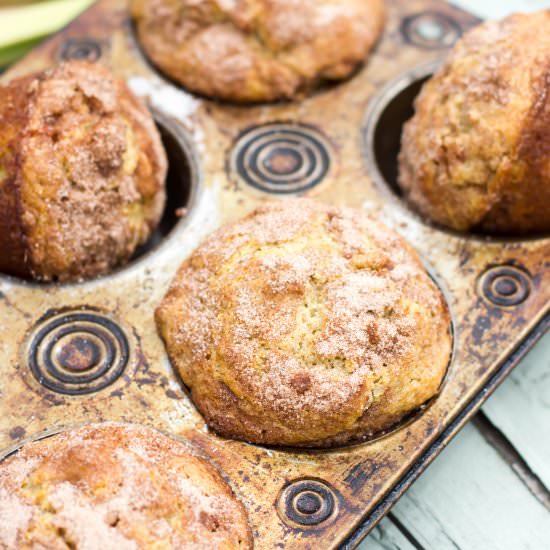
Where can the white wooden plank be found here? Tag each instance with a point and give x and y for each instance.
(520, 409)
(470, 498)
(493, 9)
(386, 536)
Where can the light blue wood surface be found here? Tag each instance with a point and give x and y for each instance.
(477, 496)
(490, 488)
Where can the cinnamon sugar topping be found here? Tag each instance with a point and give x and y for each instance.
(291, 325)
(115, 487)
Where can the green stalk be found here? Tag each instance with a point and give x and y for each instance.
(23, 26)
(13, 53)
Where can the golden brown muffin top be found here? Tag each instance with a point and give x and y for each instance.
(257, 50)
(116, 487)
(82, 168)
(474, 156)
(295, 324)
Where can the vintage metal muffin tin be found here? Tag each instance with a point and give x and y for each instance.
(89, 352)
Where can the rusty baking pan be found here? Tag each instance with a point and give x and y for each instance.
(498, 290)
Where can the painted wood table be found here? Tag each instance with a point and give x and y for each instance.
(490, 489)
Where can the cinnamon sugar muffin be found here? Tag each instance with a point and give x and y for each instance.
(257, 50)
(475, 154)
(82, 172)
(305, 325)
(116, 487)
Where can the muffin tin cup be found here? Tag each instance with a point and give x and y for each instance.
(224, 161)
(14, 449)
(388, 111)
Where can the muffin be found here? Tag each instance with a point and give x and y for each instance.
(253, 51)
(116, 487)
(82, 172)
(305, 325)
(475, 155)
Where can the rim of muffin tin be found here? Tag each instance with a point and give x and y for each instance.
(380, 102)
(186, 151)
(61, 428)
(43, 434)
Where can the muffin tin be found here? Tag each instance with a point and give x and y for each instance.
(83, 353)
